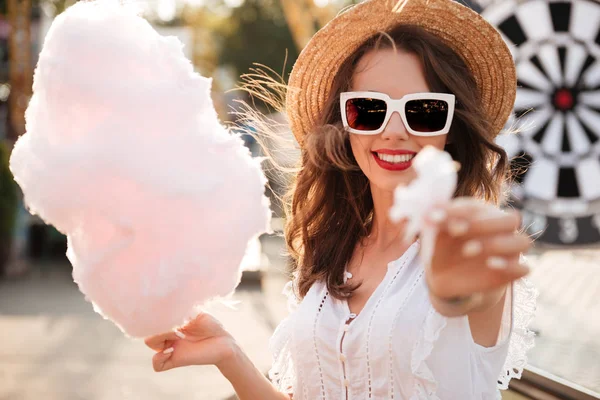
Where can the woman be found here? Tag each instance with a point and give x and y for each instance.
(372, 89)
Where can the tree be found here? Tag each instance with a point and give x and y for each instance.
(259, 34)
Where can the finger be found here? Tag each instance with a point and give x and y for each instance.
(465, 206)
(497, 245)
(198, 327)
(478, 278)
(493, 278)
(163, 360)
(485, 279)
(455, 216)
(459, 208)
(483, 223)
(162, 341)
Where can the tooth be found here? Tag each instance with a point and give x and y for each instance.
(398, 158)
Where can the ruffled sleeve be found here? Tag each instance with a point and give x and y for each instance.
(282, 373)
(425, 382)
(523, 302)
(508, 357)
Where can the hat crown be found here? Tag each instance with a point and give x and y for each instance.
(475, 40)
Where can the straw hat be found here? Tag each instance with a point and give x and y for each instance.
(466, 32)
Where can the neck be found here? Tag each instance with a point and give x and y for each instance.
(384, 233)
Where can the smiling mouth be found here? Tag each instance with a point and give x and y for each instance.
(394, 158)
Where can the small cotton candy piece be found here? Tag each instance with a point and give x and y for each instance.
(433, 187)
(124, 153)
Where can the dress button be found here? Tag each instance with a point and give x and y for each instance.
(342, 358)
(346, 328)
(346, 382)
(352, 315)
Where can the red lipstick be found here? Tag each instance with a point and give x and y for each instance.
(401, 166)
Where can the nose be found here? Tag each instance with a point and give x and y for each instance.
(395, 128)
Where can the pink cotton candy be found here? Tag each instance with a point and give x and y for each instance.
(124, 154)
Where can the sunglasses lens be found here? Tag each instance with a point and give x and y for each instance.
(427, 115)
(365, 114)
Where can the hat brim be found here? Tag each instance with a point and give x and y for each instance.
(479, 44)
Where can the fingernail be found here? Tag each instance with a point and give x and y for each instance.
(496, 263)
(458, 227)
(472, 248)
(438, 215)
(169, 350)
(180, 335)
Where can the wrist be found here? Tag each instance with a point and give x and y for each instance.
(455, 306)
(232, 359)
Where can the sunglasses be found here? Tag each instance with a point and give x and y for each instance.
(423, 114)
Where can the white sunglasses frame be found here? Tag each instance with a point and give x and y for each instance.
(398, 106)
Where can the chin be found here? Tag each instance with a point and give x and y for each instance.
(389, 184)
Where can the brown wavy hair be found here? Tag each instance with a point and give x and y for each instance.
(329, 208)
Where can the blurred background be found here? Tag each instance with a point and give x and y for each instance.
(55, 347)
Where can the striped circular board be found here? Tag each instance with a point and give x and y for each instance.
(556, 152)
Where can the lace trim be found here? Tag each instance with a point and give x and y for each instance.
(282, 373)
(289, 290)
(522, 339)
(425, 382)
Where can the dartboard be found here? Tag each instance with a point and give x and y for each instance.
(556, 150)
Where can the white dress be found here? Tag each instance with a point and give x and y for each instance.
(398, 347)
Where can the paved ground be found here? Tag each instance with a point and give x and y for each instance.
(568, 315)
(54, 347)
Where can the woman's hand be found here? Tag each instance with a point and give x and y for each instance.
(477, 250)
(203, 341)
